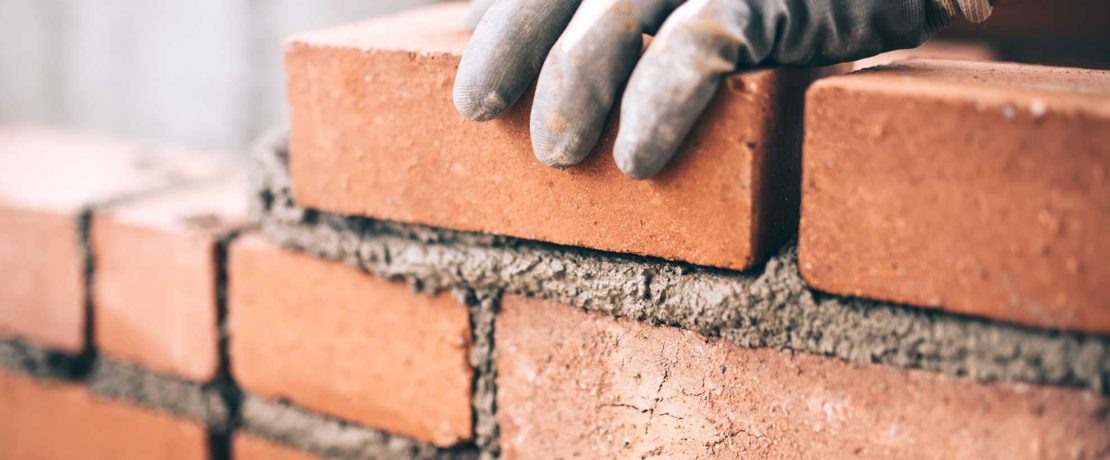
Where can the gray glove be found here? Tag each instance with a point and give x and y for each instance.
(593, 48)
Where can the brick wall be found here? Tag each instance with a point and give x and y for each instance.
(915, 274)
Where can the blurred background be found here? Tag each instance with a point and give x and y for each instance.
(203, 74)
(207, 74)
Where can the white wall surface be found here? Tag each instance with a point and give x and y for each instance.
(205, 74)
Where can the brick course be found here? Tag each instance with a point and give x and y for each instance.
(48, 180)
(979, 188)
(575, 384)
(336, 340)
(62, 421)
(155, 289)
(374, 133)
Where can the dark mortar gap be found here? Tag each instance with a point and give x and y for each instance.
(294, 427)
(40, 362)
(219, 445)
(219, 440)
(82, 363)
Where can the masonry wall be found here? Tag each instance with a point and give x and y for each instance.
(182, 306)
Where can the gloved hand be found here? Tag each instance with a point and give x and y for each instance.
(593, 48)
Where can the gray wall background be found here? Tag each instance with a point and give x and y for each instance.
(205, 74)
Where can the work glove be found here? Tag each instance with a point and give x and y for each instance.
(585, 51)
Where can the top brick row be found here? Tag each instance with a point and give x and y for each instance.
(978, 188)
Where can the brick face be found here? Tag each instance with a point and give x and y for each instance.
(344, 343)
(42, 291)
(62, 421)
(47, 178)
(979, 188)
(248, 447)
(576, 384)
(374, 133)
(154, 293)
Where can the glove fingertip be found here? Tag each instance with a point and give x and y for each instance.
(478, 105)
(637, 160)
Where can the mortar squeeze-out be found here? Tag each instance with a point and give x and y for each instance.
(766, 307)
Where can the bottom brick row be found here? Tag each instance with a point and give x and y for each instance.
(573, 384)
(56, 420)
(570, 384)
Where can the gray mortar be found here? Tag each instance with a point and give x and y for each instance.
(39, 362)
(482, 311)
(769, 307)
(330, 438)
(172, 395)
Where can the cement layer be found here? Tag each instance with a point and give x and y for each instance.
(330, 438)
(766, 307)
(170, 394)
(482, 309)
(40, 362)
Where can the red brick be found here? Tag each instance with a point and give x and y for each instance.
(247, 447)
(979, 188)
(339, 341)
(47, 178)
(584, 385)
(154, 293)
(375, 133)
(62, 421)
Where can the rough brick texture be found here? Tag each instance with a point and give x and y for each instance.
(62, 421)
(155, 292)
(48, 179)
(247, 447)
(339, 341)
(584, 385)
(374, 133)
(979, 188)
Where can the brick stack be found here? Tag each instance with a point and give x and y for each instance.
(414, 285)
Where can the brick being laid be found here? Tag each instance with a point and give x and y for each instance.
(49, 182)
(375, 134)
(155, 290)
(573, 384)
(977, 188)
(349, 345)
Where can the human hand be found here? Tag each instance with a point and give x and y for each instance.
(585, 51)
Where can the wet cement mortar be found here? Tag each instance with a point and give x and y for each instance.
(768, 307)
(173, 395)
(330, 438)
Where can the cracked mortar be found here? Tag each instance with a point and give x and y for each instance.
(330, 438)
(768, 307)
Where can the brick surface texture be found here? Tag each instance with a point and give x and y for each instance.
(980, 188)
(47, 178)
(581, 385)
(248, 447)
(339, 341)
(154, 293)
(62, 421)
(374, 133)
